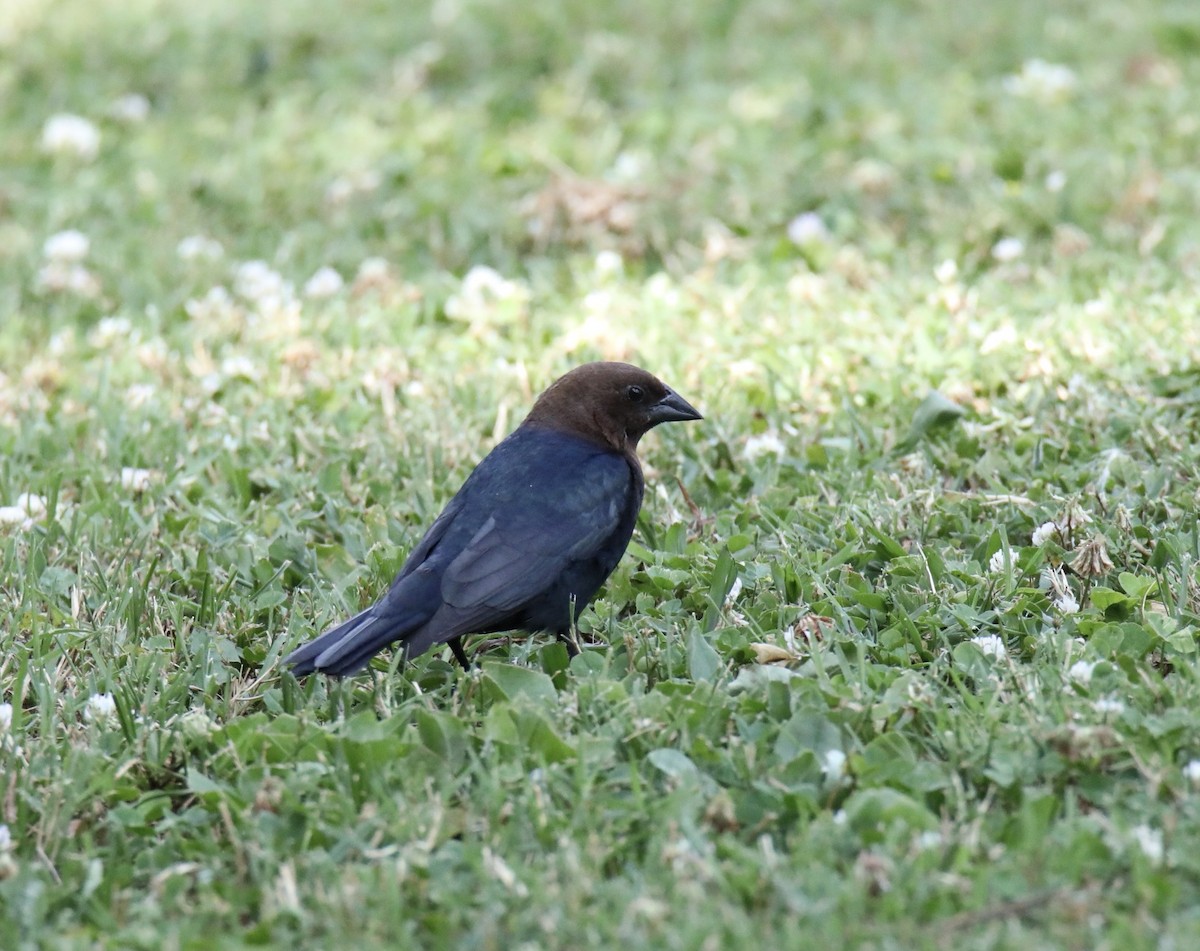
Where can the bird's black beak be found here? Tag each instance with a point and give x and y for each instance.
(672, 408)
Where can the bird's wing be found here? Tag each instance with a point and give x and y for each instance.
(535, 526)
(430, 540)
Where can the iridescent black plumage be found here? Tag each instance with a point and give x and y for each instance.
(538, 526)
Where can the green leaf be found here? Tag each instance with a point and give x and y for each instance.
(57, 581)
(540, 738)
(723, 575)
(872, 811)
(279, 739)
(806, 731)
(1105, 598)
(443, 735)
(499, 725)
(887, 759)
(1137, 640)
(888, 545)
(1183, 641)
(935, 411)
(675, 764)
(1135, 586)
(509, 681)
(203, 786)
(704, 663)
(366, 727)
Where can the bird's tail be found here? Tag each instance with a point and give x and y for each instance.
(397, 616)
(347, 648)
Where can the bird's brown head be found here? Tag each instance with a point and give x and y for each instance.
(614, 404)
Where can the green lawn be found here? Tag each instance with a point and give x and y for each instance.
(904, 654)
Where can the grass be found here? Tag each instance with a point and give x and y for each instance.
(839, 692)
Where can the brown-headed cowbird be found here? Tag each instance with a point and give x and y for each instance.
(532, 534)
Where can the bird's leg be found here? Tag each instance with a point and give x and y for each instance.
(459, 654)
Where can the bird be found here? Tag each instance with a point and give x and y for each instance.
(533, 533)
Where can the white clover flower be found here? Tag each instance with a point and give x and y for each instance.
(372, 271)
(609, 263)
(1150, 841)
(339, 191)
(59, 276)
(11, 515)
(131, 108)
(198, 247)
(216, 303)
(345, 187)
(109, 330)
(1081, 671)
(1066, 602)
(6, 841)
(1061, 595)
(661, 289)
(259, 283)
(137, 481)
(1008, 249)
(67, 247)
(28, 510)
(485, 293)
(1107, 705)
(1003, 336)
(1056, 181)
(1047, 82)
(763, 444)
(1043, 533)
(61, 342)
(100, 707)
(991, 645)
(33, 505)
(946, 272)
(872, 176)
(929, 839)
(139, 394)
(744, 369)
(996, 562)
(806, 287)
(628, 167)
(598, 304)
(6, 716)
(807, 228)
(326, 282)
(67, 134)
(482, 281)
(833, 764)
(251, 276)
(1191, 771)
(239, 367)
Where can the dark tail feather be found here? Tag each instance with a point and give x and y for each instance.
(348, 647)
(306, 658)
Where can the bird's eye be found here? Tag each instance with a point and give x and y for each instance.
(635, 394)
